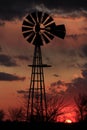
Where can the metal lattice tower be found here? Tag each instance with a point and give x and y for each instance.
(37, 106)
(39, 28)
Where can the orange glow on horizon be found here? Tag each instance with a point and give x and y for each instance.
(68, 121)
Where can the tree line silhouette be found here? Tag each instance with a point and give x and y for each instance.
(55, 105)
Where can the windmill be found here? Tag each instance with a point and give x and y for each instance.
(39, 28)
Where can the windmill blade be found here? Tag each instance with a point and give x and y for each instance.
(49, 35)
(45, 16)
(40, 16)
(26, 34)
(29, 18)
(50, 26)
(25, 23)
(31, 37)
(45, 38)
(38, 40)
(34, 16)
(26, 28)
(49, 20)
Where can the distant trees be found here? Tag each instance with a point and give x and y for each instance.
(16, 114)
(81, 103)
(2, 114)
(55, 105)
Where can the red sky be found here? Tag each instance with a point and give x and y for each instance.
(68, 57)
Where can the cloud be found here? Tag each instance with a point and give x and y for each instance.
(7, 60)
(22, 92)
(78, 85)
(58, 87)
(2, 23)
(85, 28)
(16, 9)
(84, 50)
(70, 57)
(67, 89)
(66, 4)
(73, 36)
(58, 83)
(84, 66)
(74, 65)
(70, 89)
(10, 77)
(76, 36)
(75, 14)
(0, 49)
(84, 74)
(56, 75)
(21, 57)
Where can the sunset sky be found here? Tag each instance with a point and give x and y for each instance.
(68, 57)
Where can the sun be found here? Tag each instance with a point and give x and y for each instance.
(68, 121)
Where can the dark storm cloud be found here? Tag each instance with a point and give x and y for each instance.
(7, 60)
(78, 85)
(10, 77)
(66, 4)
(73, 88)
(16, 9)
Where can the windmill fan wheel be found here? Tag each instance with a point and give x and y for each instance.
(39, 28)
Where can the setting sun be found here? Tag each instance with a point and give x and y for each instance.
(68, 121)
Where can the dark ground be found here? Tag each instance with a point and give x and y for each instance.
(42, 126)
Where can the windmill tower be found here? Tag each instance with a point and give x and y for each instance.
(39, 28)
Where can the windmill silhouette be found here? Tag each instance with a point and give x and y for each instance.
(39, 28)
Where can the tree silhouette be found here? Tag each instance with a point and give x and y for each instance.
(81, 103)
(55, 105)
(16, 114)
(2, 114)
